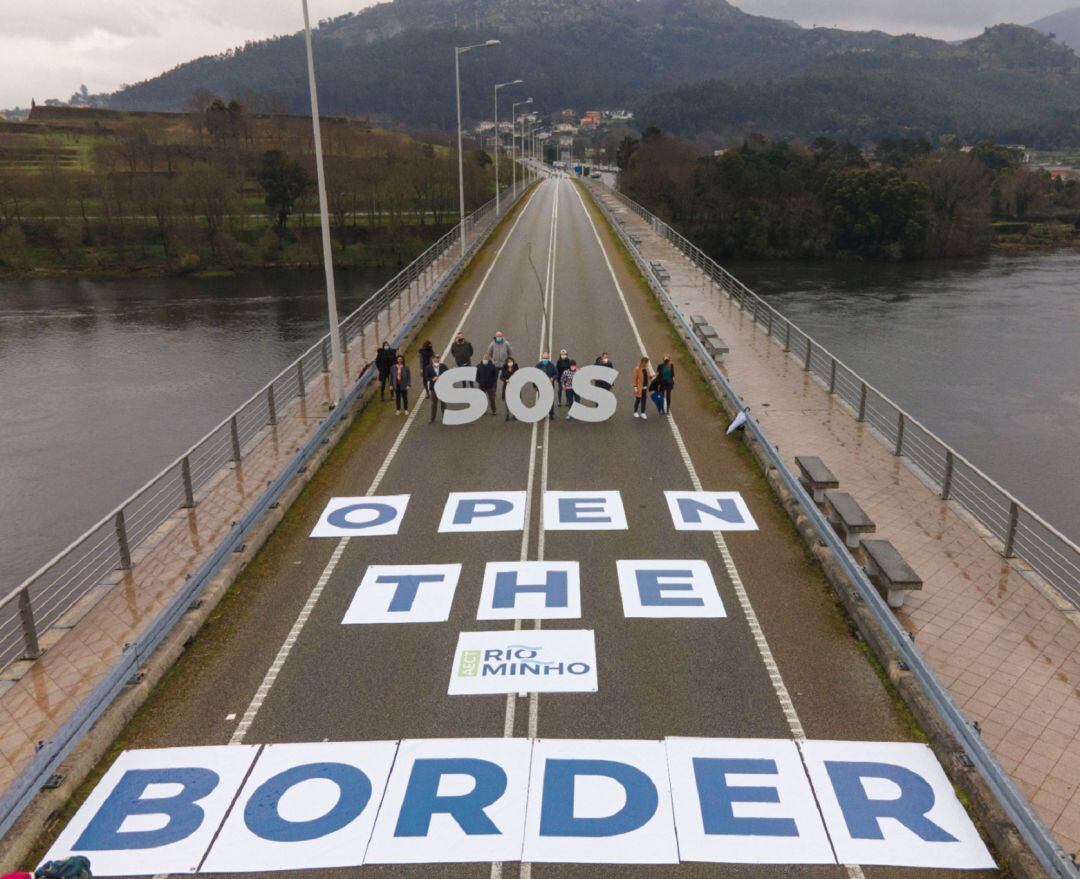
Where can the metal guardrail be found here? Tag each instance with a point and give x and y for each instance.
(1035, 833)
(1014, 530)
(46, 596)
(51, 753)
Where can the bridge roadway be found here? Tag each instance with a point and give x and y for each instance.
(657, 677)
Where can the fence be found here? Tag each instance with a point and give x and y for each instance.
(44, 598)
(1015, 530)
(977, 755)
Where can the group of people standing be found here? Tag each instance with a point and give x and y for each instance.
(497, 366)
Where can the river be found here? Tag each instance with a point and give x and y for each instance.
(985, 353)
(106, 382)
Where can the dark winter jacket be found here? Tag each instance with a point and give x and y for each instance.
(384, 359)
(487, 376)
(561, 365)
(462, 352)
(432, 373)
(548, 368)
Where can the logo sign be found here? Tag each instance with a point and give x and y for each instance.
(583, 511)
(483, 511)
(596, 403)
(304, 806)
(453, 801)
(530, 591)
(404, 594)
(665, 588)
(477, 800)
(362, 516)
(709, 511)
(589, 806)
(546, 661)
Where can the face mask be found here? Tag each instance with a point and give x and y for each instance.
(498, 338)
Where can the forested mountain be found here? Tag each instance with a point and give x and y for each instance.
(393, 62)
(1064, 25)
(865, 98)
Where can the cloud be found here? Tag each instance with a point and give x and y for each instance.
(49, 49)
(951, 20)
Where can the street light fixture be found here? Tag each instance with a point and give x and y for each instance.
(499, 85)
(337, 368)
(513, 136)
(458, 52)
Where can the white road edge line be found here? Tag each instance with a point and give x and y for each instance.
(779, 687)
(305, 612)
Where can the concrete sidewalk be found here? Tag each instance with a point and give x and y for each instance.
(1009, 657)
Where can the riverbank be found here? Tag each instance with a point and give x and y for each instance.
(383, 249)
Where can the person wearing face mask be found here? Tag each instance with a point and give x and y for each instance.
(385, 358)
(499, 350)
(400, 379)
(431, 375)
(427, 351)
(462, 351)
(487, 377)
(561, 366)
(567, 382)
(666, 373)
(604, 360)
(548, 368)
(505, 374)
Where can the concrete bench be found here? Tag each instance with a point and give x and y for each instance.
(697, 320)
(716, 347)
(635, 239)
(848, 517)
(888, 571)
(815, 476)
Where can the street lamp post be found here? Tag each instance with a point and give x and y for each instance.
(337, 367)
(458, 52)
(498, 86)
(513, 137)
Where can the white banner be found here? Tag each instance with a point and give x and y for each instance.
(709, 511)
(599, 802)
(453, 800)
(404, 594)
(304, 806)
(744, 801)
(545, 661)
(583, 511)
(668, 588)
(362, 516)
(473, 511)
(530, 591)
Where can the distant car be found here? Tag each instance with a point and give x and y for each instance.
(595, 175)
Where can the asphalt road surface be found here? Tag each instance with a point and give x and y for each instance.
(552, 279)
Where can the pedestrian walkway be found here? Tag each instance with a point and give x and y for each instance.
(38, 697)
(1009, 657)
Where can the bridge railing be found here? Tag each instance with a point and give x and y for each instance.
(70, 581)
(1012, 528)
(1033, 831)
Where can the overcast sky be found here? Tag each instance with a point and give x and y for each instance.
(47, 49)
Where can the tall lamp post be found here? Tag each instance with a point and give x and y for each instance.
(513, 136)
(458, 52)
(499, 85)
(337, 367)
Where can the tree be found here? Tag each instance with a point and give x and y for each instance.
(284, 180)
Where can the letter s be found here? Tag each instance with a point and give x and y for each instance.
(475, 400)
(586, 390)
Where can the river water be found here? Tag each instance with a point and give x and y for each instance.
(106, 382)
(985, 353)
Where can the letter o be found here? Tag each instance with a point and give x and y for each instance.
(545, 394)
(262, 817)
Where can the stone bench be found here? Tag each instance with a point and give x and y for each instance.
(716, 346)
(848, 517)
(697, 320)
(888, 570)
(815, 476)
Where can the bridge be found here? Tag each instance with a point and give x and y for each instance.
(344, 639)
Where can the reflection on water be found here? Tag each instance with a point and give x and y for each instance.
(986, 354)
(106, 382)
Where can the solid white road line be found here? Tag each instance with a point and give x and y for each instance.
(309, 606)
(779, 687)
(545, 324)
